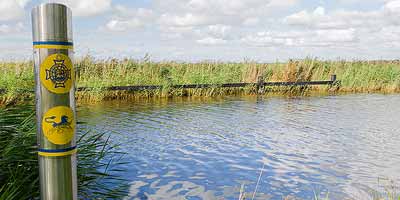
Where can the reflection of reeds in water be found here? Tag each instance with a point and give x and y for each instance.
(391, 192)
(355, 76)
(97, 160)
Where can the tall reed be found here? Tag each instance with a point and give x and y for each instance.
(355, 76)
(19, 179)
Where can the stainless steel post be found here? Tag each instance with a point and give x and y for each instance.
(55, 101)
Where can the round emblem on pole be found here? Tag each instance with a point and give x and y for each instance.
(57, 74)
(58, 125)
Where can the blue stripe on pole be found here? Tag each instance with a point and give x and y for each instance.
(53, 43)
(57, 150)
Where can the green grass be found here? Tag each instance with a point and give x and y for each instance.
(355, 76)
(19, 178)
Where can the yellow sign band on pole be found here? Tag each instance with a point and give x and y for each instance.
(52, 45)
(44, 46)
(57, 152)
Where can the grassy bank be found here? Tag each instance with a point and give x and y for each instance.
(19, 178)
(355, 76)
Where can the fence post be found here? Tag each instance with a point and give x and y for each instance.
(260, 85)
(333, 78)
(55, 101)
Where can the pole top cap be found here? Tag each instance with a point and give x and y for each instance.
(51, 22)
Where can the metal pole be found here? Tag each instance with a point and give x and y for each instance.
(55, 101)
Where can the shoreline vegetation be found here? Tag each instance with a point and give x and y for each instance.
(99, 161)
(18, 159)
(17, 79)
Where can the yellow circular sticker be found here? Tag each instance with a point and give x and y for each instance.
(57, 74)
(58, 125)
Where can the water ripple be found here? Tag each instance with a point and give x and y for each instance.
(207, 148)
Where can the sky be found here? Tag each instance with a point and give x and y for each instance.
(220, 30)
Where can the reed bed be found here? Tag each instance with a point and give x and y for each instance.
(98, 160)
(17, 81)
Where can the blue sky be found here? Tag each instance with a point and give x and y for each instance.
(224, 30)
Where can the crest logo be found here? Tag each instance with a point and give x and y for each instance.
(57, 74)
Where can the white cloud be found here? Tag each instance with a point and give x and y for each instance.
(218, 30)
(123, 25)
(188, 19)
(263, 39)
(359, 1)
(315, 38)
(86, 8)
(211, 41)
(243, 23)
(180, 33)
(211, 21)
(123, 11)
(388, 14)
(392, 6)
(388, 37)
(251, 21)
(12, 9)
(333, 37)
(125, 19)
(305, 18)
(218, 7)
(208, 12)
(392, 11)
(11, 29)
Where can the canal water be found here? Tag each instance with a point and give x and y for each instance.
(344, 147)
